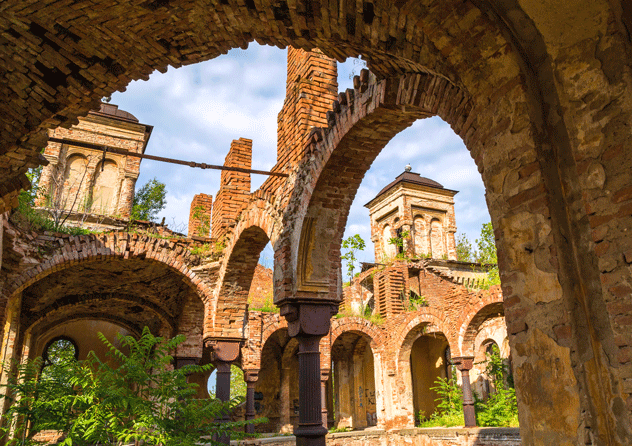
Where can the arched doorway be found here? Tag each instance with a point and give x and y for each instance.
(353, 377)
(429, 361)
(276, 391)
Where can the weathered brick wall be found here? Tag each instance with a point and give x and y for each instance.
(312, 85)
(412, 437)
(234, 190)
(200, 215)
(540, 95)
(62, 276)
(261, 289)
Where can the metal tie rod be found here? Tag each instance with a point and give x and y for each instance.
(88, 145)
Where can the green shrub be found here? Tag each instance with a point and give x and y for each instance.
(140, 399)
(449, 411)
(501, 408)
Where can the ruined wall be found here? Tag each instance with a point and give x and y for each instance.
(261, 288)
(412, 437)
(200, 216)
(234, 190)
(312, 86)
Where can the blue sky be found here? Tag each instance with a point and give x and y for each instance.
(199, 109)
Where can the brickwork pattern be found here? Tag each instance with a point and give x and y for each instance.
(234, 190)
(454, 312)
(547, 101)
(48, 272)
(200, 216)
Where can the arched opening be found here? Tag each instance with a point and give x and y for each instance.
(72, 191)
(353, 378)
(276, 391)
(104, 191)
(428, 363)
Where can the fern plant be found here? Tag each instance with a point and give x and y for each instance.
(135, 397)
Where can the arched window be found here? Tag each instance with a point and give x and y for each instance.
(421, 237)
(388, 249)
(58, 353)
(103, 192)
(71, 194)
(436, 238)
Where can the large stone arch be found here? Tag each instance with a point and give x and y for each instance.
(115, 245)
(425, 322)
(105, 277)
(573, 59)
(525, 198)
(257, 225)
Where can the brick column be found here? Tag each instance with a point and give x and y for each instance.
(200, 215)
(251, 377)
(126, 197)
(224, 353)
(308, 323)
(324, 376)
(464, 364)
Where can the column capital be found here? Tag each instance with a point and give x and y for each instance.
(324, 374)
(224, 349)
(463, 363)
(181, 361)
(251, 376)
(309, 318)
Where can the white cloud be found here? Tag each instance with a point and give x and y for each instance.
(199, 109)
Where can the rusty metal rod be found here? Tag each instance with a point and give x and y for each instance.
(88, 145)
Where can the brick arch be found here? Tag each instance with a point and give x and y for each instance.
(414, 326)
(43, 325)
(257, 225)
(116, 245)
(358, 325)
(98, 65)
(67, 65)
(361, 123)
(277, 324)
(488, 305)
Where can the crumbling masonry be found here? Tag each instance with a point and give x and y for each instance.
(538, 91)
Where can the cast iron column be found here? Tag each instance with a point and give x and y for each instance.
(222, 392)
(308, 323)
(250, 376)
(464, 364)
(223, 354)
(324, 376)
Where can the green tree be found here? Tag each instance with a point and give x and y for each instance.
(464, 250)
(352, 244)
(486, 245)
(149, 200)
(487, 253)
(139, 399)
